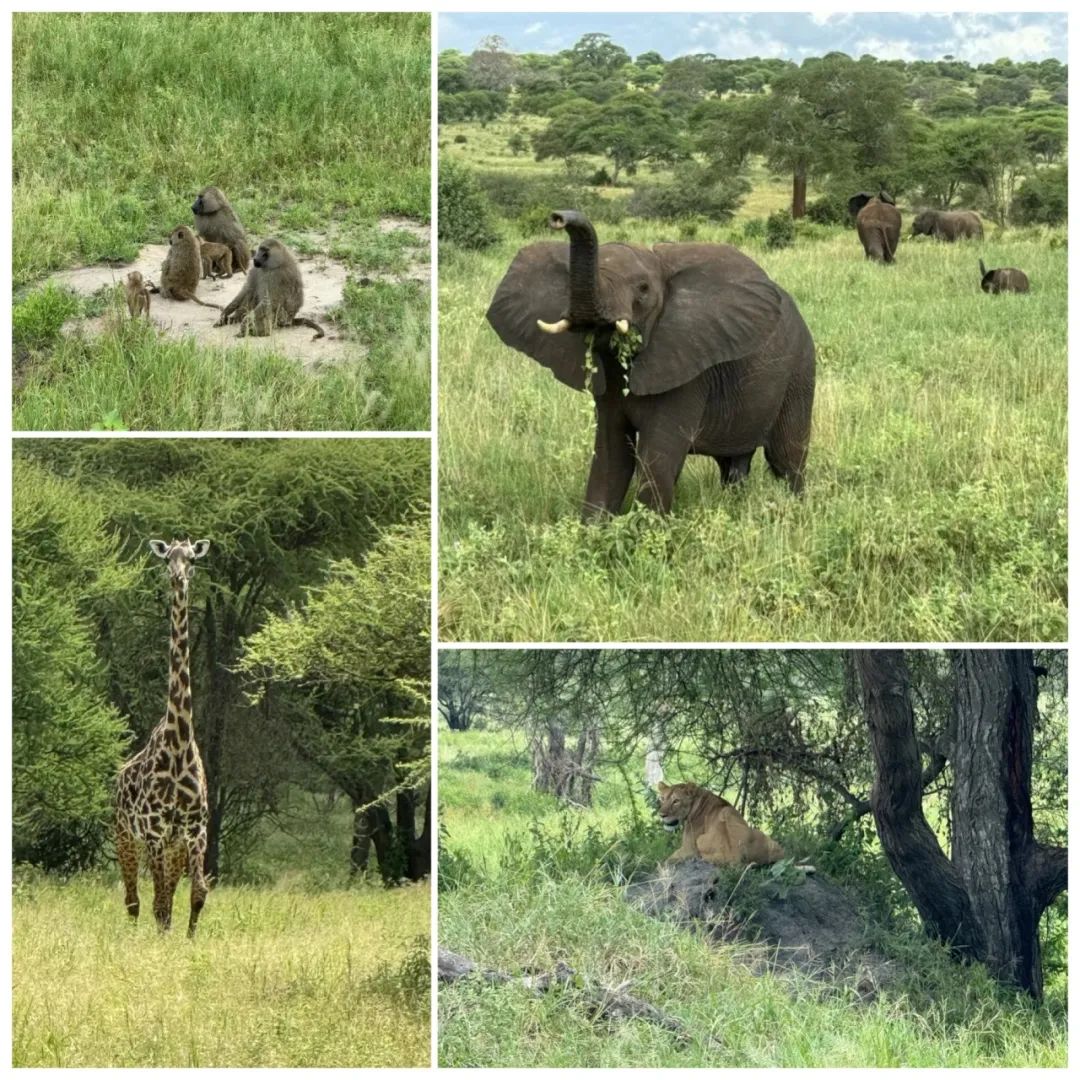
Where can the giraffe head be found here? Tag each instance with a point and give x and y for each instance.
(180, 556)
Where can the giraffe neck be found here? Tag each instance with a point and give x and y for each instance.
(178, 716)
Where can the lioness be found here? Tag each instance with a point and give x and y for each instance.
(713, 829)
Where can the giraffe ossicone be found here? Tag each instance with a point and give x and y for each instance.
(161, 798)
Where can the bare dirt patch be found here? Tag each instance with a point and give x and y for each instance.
(324, 284)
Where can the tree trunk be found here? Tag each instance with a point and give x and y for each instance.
(386, 852)
(798, 193)
(987, 901)
(994, 846)
(896, 799)
(363, 827)
(560, 772)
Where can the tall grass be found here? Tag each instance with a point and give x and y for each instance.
(523, 899)
(275, 977)
(935, 506)
(315, 125)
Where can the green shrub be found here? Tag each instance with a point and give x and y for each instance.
(691, 192)
(828, 210)
(1043, 198)
(36, 320)
(464, 212)
(779, 230)
(517, 143)
(753, 229)
(600, 178)
(460, 139)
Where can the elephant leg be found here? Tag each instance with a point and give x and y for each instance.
(734, 470)
(612, 464)
(661, 454)
(788, 441)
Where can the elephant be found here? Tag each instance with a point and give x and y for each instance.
(686, 348)
(1005, 279)
(948, 225)
(878, 222)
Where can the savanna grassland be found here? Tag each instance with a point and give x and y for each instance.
(317, 128)
(525, 884)
(935, 501)
(286, 962)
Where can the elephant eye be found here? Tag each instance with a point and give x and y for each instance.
(643, 287)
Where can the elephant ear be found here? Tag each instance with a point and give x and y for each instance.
(537, 286)
(719, 306)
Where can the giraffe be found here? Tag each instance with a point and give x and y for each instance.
(161, 804)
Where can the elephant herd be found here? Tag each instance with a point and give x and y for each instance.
(878, 223)
(686, 348)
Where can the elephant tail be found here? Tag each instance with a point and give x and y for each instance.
(890, 252)
(982, 269)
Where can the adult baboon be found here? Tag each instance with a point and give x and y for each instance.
(182, 268)
(1004, 279)
(271, 296)
(137, 295)
(216, 220)
(217, 259)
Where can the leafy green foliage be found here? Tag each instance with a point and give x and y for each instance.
(779, 230)
(693, 190)
(1043, 198)
(36, 320)
(464, 215)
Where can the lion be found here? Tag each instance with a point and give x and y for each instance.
(713, 829)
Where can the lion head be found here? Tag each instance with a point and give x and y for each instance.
(676, 802)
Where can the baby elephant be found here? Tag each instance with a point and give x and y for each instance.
(1005, 279)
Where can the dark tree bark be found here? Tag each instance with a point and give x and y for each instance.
(561, 772)
(798, 193)
(986, 901)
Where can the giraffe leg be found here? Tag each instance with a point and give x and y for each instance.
(196, 859)
(175, 864)
(159, 871)
(127, 855)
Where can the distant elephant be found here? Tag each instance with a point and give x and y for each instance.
(878, 222)
(948, 225)
(1006, 279)
(716, 358)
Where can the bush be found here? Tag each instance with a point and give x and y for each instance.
(779, 230)
(528, 200)
(464, 213)
(600, 178)
(692, 192)
(460, 139)
(753, 229)
(1043, 198)
(828, 210)
(517, 143)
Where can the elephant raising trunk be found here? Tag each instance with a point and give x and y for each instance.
(585, 308)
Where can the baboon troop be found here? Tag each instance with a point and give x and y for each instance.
(217, 259)
(137, 295)
(271, 296)
(182, 268)
(269, 299)
(216, 221)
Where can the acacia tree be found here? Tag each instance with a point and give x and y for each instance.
(352, 665)
(985, 900)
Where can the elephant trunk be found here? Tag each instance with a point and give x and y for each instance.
(584, 266)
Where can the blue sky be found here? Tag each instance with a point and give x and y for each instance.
(977, 38)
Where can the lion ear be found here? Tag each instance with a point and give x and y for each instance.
(662, 788)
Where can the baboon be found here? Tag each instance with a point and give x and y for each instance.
(216, 220)
(215, 257)
(182, 268)
(1004, 279)
(271, 296)
(137, 294)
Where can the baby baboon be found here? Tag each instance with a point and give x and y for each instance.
(1005, 279)
(215, 257)
(137, 294)
(182, 267)
(216, 220)
(271, 296)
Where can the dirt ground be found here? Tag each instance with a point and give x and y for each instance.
(324, 283)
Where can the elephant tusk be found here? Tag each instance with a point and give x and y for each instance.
(622, 325)
(554, 328)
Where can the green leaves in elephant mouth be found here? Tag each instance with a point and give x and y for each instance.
(626, 347)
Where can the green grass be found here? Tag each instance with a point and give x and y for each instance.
(315, 125)
(276, 977)
(508, 912)
(935, 505)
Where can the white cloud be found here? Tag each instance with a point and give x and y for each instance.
(534, 28)
(979, 44)
(823, 18)
(882, 49)
(713, 36)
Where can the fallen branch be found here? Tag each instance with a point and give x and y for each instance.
(601, 1002)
